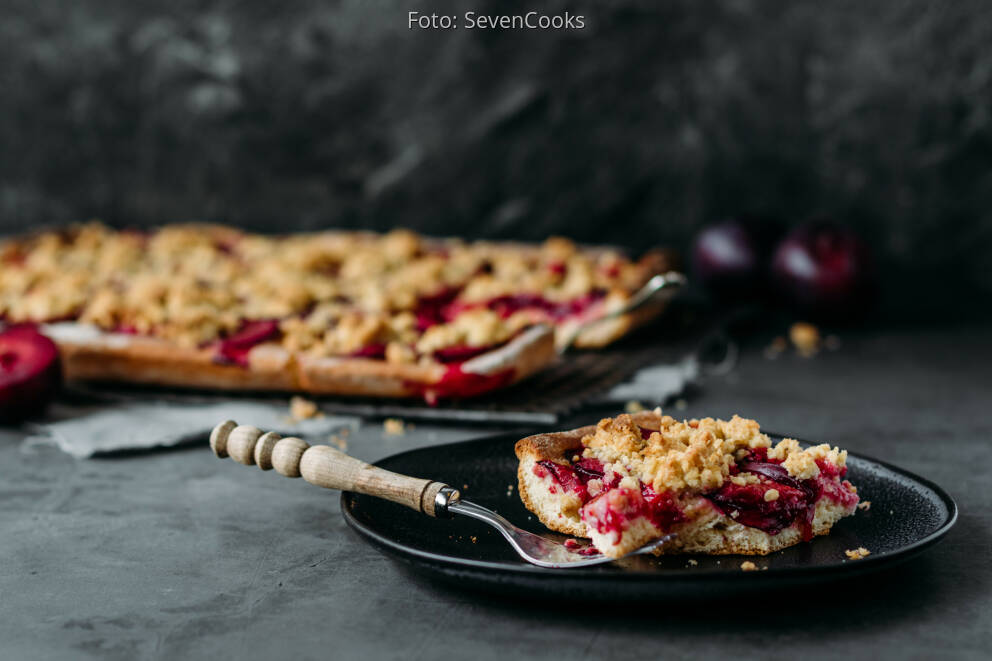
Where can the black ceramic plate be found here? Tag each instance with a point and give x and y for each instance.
(907, 515)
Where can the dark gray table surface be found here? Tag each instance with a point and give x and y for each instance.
(176, 554)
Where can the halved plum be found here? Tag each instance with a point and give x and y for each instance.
(30, 372)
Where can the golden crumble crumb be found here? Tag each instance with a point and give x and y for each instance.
(393, 426)
(303, 409)
(805, 337)
(633, 406)
(693, 562)
(474, 539)
(864, 505)
(771, 495)
(777, 346)
(744, 479)
(747, 565)
(858, 553)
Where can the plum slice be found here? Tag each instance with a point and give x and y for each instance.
(30, 372)
(234, 348)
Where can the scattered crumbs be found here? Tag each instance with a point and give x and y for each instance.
(303, 409)
(509, 490)
(393, 427)
(474, 539)
(693, 562)
(747, 565)
(633, 407)
(858, 553)
(805, 337)
(681, 404)
(777, 346)
(464, 486)
(864, 505)
(339, 442)
(831, 342)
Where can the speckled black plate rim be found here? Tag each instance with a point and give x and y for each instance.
(440, 562)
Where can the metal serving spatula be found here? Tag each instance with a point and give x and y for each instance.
(330, 468)
(668, 282)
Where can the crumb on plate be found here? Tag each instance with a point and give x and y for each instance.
(864, 505)
(747, 565)
(858, 553)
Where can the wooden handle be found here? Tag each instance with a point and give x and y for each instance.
(321, 465)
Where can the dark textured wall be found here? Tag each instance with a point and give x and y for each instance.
(655, 118)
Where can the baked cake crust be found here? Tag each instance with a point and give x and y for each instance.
(696, 464)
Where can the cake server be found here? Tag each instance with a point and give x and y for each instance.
(668, 283)
(330, 468)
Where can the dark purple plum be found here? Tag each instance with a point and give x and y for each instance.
(30, 372)
(824, 271)
(730, 258)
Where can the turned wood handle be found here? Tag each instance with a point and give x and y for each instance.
(321, 465)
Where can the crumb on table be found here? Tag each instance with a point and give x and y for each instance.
(864, 505)
(858, 553)
(339, 442)
(777, 346)
(747, 565)
(693, 562)
(633, 407)
(805, 337)
(301, 408)
(394, 426)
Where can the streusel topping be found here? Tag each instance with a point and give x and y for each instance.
(694, 455)
(333, 293)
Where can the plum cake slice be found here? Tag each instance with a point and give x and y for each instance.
(721, 486)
